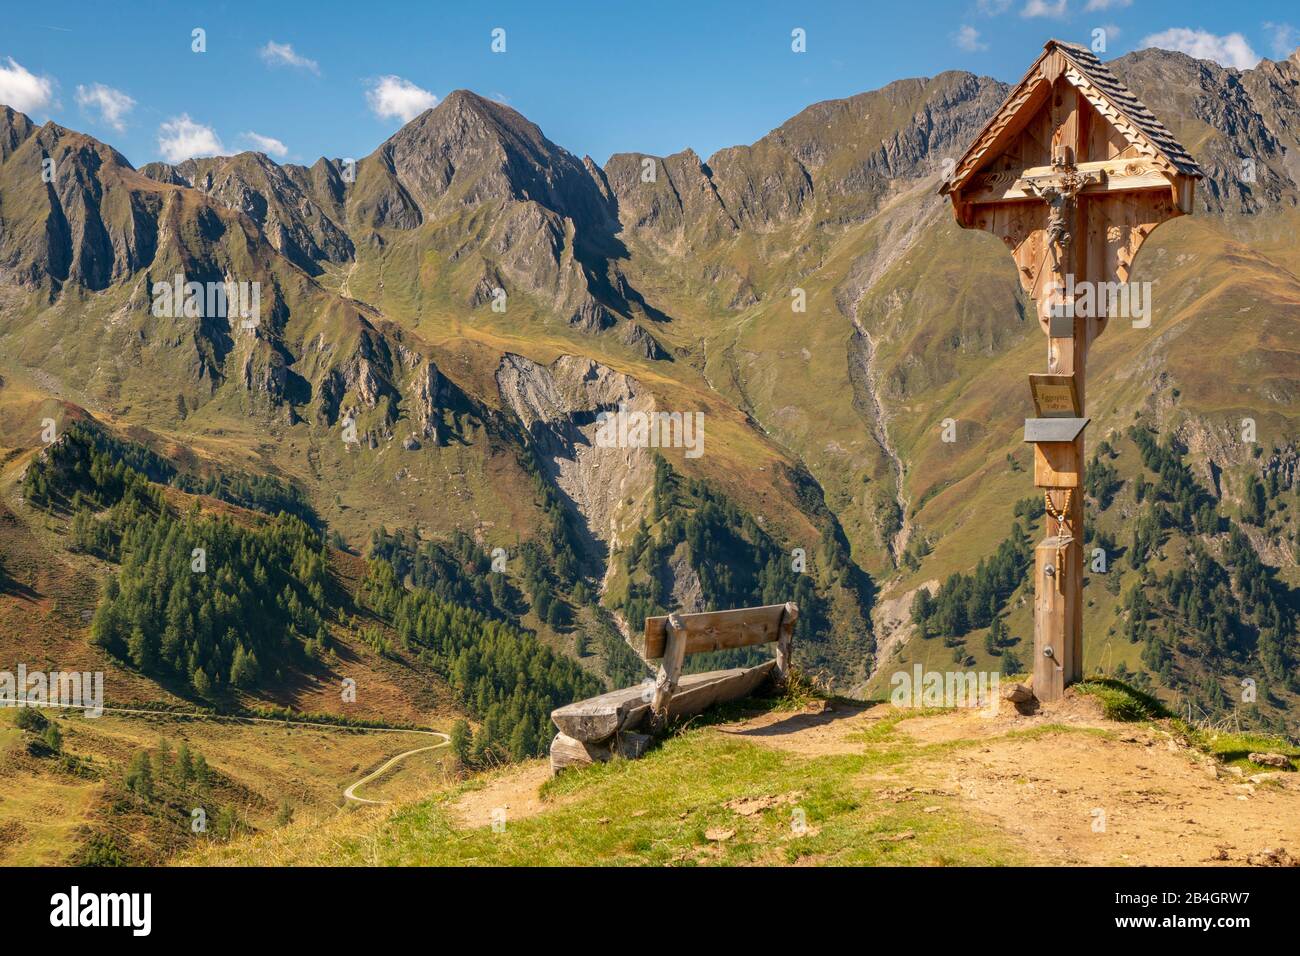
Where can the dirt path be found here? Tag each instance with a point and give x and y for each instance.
(236, 719)
(345, 289)
(1077, 789)
(1136, 796)
(351, 792)
(514, 791)
(811, 733)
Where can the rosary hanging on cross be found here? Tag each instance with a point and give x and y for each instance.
(1063, 528)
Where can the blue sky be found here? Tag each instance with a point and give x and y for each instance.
(301, 80)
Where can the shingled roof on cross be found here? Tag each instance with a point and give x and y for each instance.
(1142, 132)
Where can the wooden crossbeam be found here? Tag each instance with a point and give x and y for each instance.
(1114, 175)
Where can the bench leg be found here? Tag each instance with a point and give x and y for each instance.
(670, 669)
(785, 638)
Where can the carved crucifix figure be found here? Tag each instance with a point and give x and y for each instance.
(1060, 191)
(1072, 174)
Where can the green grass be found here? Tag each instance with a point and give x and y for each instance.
(1121, 702)
(658, 811)
(1234, 749)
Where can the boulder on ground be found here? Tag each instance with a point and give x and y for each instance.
(1272, 857)
(568, 751)
(1271, 760)
(1017, 693)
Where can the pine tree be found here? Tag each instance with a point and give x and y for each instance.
(141, 651)
(1254, 507)
(183, 769)
(139, 776)
(1011, 664)
(461, 742)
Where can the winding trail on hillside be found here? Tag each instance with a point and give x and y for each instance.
(236, 718)
(350, 792)
(345, 288)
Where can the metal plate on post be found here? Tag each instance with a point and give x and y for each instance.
(1054, 429)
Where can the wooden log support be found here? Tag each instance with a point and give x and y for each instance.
(670, 669)
(568, 752)
(789, 617)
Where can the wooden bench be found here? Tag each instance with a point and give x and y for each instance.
(596, 729)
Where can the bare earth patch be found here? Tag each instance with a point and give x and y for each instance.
(811, 733)
(1138, 797)
(1082, 790)
(514, 791)
(1074, 711)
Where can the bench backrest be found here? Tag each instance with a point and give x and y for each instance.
(718, 630)
(674, 636)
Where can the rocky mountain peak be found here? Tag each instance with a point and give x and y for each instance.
(303, 228)
(14, 128)
(469, 150)
(1242, 125)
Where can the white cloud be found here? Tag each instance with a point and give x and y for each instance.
(392, 96)
(1285, 39)
(993, 8)
(1231, 50)
(266, 144)
(1107, 5)
(112, 105)
(282, 54)
(22, 90)
(968, 38)
(180, 138)
(1044, 8)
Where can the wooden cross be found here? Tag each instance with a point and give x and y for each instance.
(1072, 173)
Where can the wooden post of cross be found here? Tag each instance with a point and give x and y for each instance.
(1072, 173)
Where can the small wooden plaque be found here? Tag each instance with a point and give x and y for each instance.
(1055, 396)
